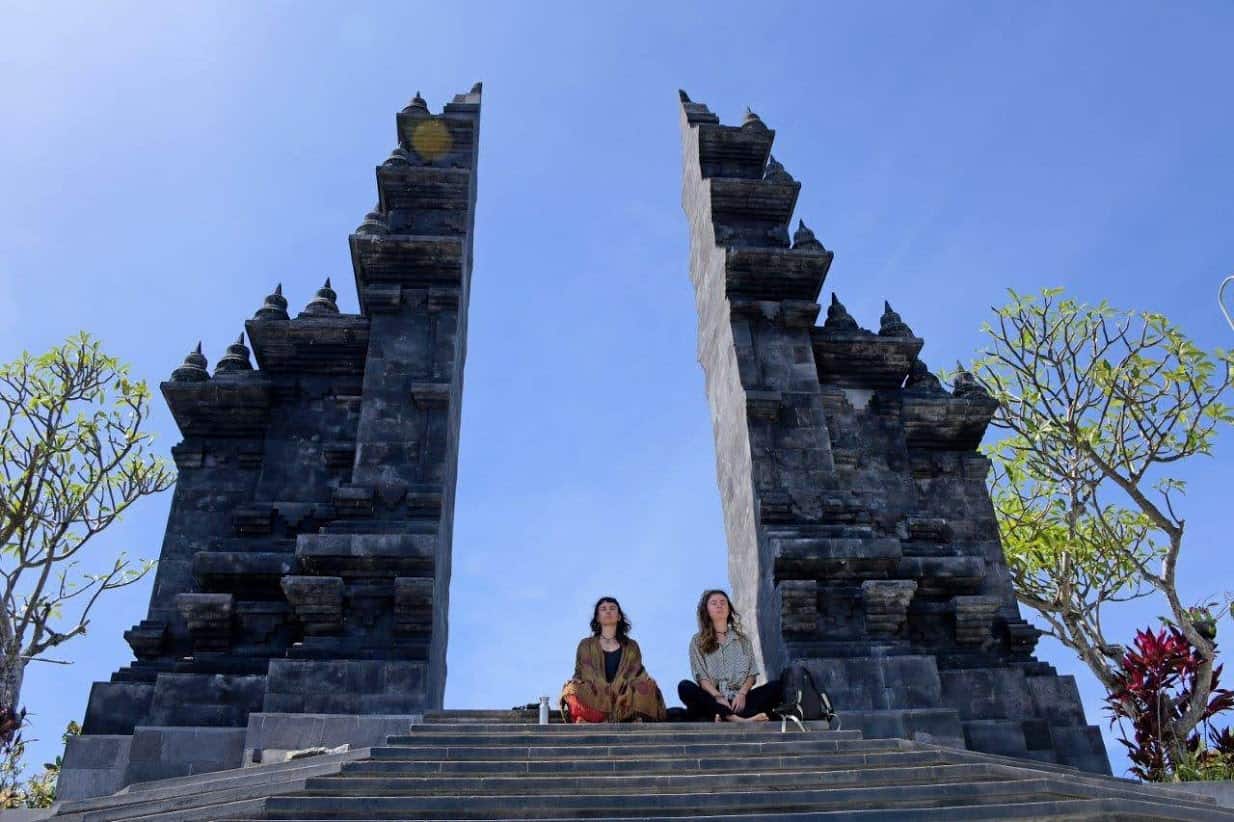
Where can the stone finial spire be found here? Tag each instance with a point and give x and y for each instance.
(803, 237)
(890, 324)
(374, 223)
(417, 104)
(681, 94)
(275, 306)
(478, 88)
(839, 321)
(752, 120)
(920, 378)
(964, 384)
(398, 157)
(323, 303)
(236, 358)
(193, 369)
(775, 172)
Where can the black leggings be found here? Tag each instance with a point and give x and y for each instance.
(701, 705)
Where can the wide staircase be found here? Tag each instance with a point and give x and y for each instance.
(499, 765)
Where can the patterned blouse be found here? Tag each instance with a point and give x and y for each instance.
(728, 666)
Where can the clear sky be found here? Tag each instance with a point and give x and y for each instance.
(162, 166)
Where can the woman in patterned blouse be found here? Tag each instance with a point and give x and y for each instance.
(722, 661)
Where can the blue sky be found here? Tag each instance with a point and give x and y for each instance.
(163, 167)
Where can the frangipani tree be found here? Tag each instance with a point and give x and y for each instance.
(1100, 407)
(73, 458)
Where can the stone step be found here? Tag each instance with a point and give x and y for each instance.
(263, 780)
(614, 727)
(479, 714)
(641, 805)
(804, 743)
(246, 799)
(596, 765)
(751, 779)
(598, 736)
(1064, 810)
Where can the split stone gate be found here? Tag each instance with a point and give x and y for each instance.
(302, 590)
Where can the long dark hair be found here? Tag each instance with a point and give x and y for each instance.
(623, 624)
(706, 638)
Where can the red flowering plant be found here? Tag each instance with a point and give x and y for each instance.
(1152, 692)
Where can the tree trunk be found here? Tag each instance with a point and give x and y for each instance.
(12, 672)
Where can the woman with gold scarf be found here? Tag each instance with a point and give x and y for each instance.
(609, 682)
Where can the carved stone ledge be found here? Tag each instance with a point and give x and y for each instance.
(442, 299)
(886, 605)
(775, 506)
(430, 394)
(799, 606)
(353, 501)
(383, 298)
(799, 313)
(974, 619)
(338, 455)
(317, 601)
(369, 557)
(1022, 637)
(188, 456)
(146, 638)
(928, 529)
(413, 605)
(424, 500)
(940, 421)
(862, 359)
(763, 405)
(209, 620)
(253, 520)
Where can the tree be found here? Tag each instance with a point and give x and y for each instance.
(74, 459)
(36, 791)
(1100, 406)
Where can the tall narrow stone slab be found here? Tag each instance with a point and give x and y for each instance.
(861, 536)
(306, 562)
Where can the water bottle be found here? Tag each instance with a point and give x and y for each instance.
(544, 710)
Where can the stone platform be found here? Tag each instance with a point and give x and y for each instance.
(499, 765)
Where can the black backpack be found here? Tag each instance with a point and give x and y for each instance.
(802, 700)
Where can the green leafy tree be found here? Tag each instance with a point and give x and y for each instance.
(73, 458)
(1100, 408)
(37, 791)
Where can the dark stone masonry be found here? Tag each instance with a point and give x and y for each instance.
(302, 590)
(306, 562)
(861, 534)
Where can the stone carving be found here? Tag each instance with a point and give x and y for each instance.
(886, 604)
(312, 519)
(862, 540)
(799, 605)
(317, 601)
(208, 618)
(974, 619)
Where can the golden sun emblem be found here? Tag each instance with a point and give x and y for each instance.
(431, 139)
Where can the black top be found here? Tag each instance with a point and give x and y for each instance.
(611, 660)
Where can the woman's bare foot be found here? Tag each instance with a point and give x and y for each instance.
(759, 717)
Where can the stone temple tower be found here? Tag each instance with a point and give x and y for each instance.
(306, 562)
(859, 526)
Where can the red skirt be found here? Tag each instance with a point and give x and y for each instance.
(576, 711)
